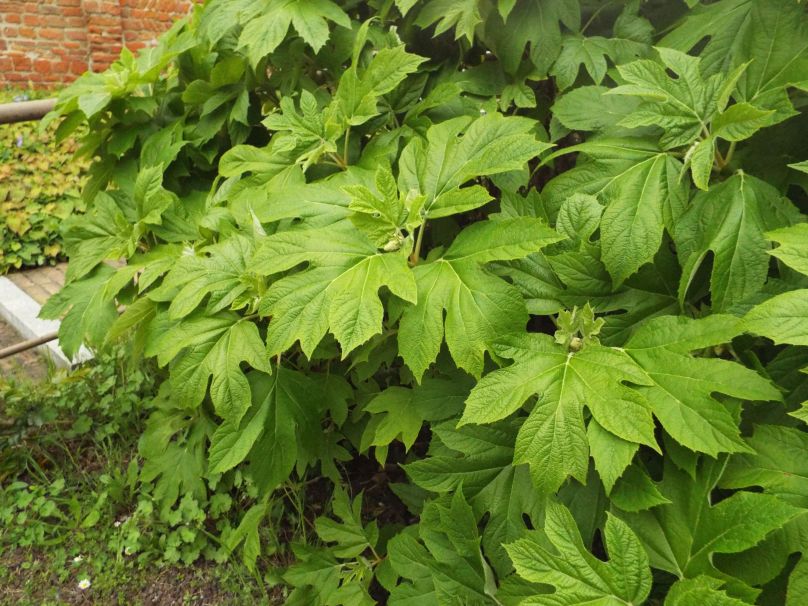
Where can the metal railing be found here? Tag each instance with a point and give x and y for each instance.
(25, 111)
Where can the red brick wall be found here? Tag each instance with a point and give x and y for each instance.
(51, 42)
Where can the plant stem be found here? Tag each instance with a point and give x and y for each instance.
(345, 146)
(339, 161)
(594, 16)
(730, 153)
(416, 253)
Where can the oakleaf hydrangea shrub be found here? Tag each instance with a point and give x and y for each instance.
(549, 257)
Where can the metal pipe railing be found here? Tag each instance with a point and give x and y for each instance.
(25, 111)
(26, 345)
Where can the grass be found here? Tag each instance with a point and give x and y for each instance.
(74, 507)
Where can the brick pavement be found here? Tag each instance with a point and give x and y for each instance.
(40, 283)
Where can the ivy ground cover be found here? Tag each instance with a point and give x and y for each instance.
(541, 265)
(40, 186)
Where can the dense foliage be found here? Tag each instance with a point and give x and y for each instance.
(548, 256)
(40, 185)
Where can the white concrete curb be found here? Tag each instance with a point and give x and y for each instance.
(22, 313)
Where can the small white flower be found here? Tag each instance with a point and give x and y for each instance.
(78, 559)
(84, 584)
(117, 524)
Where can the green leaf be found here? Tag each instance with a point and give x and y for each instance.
(776, 464)
(682, 104)
(479, 306)
(783, 318)
(577, 51)
(200, 346)
(338, 291)
(263, 34)
(793, 249)
(449, 564)
(105, 234)
(536, 24)
(463, 15)
(740, 122)
(554, 432)
(700, 590)
(798, 584)
(730, 221)
(478, 461)
(351, 536)
(590, 108)
(578, 576)
(642, 192)
(636, 491)
(437, 167)
(357, 96)
(220, 273)
(247, 532)
(399, 413)
(683, 386)
(86, 310)
(682, 536)
(284, 412)
(770, 35)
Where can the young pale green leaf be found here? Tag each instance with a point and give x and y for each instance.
(553, 438)
(357, 96)
(479, 306)
(577, 575)
(338, 291)
(437, 167)
(105, 234)
(302, 135)
(701, 157)
(220, 273)
(682, 104)
(730, 221)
